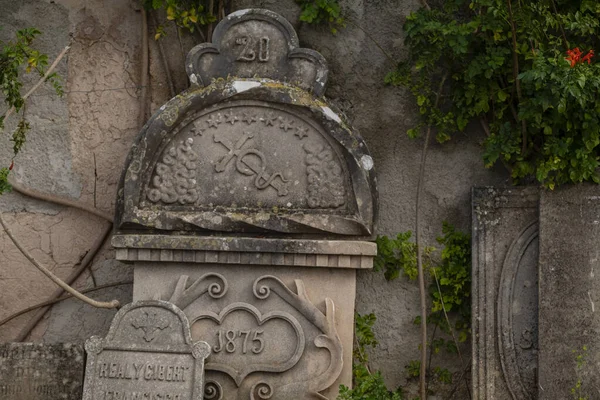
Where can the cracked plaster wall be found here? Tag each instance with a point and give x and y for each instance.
(97, 118)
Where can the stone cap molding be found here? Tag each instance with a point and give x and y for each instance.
(251, 251)
(268, 47)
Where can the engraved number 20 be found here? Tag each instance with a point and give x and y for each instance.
(252, 47)
(227, 341)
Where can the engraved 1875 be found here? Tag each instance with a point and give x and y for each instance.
(244, 341)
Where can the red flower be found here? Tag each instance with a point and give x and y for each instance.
(574, 56)
(12, 164)
(588, 57)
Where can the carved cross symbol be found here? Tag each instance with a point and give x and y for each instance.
(151, 324)
(262, 180)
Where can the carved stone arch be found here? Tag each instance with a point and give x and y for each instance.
(174, 165)
(517, 340)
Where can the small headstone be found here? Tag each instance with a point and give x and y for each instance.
(37, 371)
(569, 293)
(505, 293)
(147, 354)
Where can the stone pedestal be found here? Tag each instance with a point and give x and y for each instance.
(247, 201)
(277, 295)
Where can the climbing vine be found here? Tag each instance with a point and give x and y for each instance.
(190, 15)
(449, 272)
(525, 71)
(327, 12)
(18, 57)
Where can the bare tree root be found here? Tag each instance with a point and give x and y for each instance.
(59, 299)
(52, 198)
(83, 265)
(54, 278)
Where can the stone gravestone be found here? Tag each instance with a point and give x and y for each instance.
(36, 371)
(505, 294)
(147, 354)
(245, 201)
(569, 292)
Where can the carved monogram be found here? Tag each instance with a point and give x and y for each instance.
(245, 167)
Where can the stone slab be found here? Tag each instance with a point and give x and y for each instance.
(569, 291)
(147, 354)
(295, 324)
(505, 293)
(37, 371)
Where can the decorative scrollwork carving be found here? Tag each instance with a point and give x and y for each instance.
(174, 180)
(212, 283)
(329, 340)
(325, 178)
(239, 373)
(262, 391)
(213, 390)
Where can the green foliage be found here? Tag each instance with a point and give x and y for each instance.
(18, 57)
(515, 68)
(187, 14)
(453, 275)
(4, 185)
(367, 385)
(577, 391)
(322, 12)
(399, 255)
(413, 368)
(363, 325)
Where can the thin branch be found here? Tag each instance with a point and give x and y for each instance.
(209, 31)
(420, 184)
(85, 264)
(462, 375)
(425, 4)
(42, 79)
(144, 70)
(163, 59)
(221, 9)
(54, 278)
(565, 41)
(462, 361)
(362, 356)
(516, 75)
(367, 34)
(52, 198)
(437, 282)
(59, 299)
(485, 126)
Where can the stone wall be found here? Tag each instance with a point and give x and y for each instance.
(78, 145)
